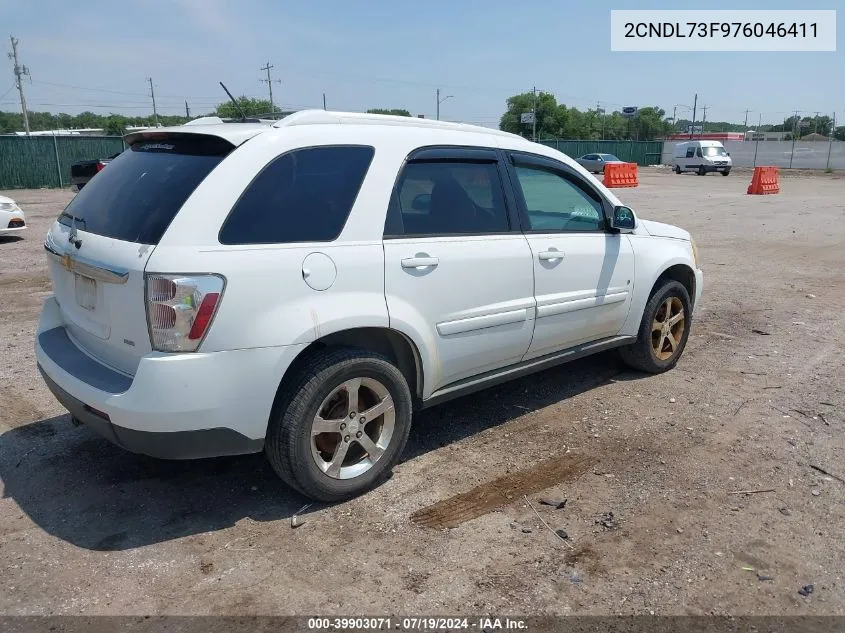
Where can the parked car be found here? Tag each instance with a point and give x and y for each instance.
(12, 219)
(596, 162)
(305, 292)
(701, 157)
(85, 170)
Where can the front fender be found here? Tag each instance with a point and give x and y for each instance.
(653, 257)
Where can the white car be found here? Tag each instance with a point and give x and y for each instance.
(12, 219)
(302, 287)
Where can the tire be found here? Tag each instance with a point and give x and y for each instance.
(726, 172)
(294, 453)
(642, 354)
(702, 171)
(677, 169)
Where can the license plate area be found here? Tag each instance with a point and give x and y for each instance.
(85, 290)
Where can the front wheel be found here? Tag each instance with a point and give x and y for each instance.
(702, 171)
(726, 172)
(340, 424)
(663, 331)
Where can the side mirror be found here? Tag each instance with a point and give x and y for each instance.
(422, 202)
(623, 219)
(728, 153)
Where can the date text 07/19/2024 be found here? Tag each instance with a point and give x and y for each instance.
(485, 623)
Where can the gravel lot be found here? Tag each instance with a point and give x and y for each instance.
(86, 528)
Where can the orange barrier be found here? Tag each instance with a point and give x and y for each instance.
(620, 175)
(764, 180)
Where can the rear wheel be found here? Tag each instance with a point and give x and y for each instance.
(702, 171)
(663, 331)
(340, 425)
(677, 169)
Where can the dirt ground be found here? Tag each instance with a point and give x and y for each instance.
(757, 400)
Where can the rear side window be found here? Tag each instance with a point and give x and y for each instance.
(690, 152)
(448, 198)
(136, 196)
(303, 196)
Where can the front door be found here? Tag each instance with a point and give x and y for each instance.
(458, 271)
(583, 274)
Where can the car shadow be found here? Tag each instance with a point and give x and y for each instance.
(10, 239)
(78, 487)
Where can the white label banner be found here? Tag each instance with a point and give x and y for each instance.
(723, 30)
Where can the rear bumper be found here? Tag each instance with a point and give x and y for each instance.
(171, 445)
(176, 406)
(7, 231)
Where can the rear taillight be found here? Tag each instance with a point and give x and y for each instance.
(180, 309)
(100, 165)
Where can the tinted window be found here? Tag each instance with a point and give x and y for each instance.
(698, 152)
(690, 152)
(136, 196)
(555, 203)
(610, 157)
(435, 198)
(302, 196)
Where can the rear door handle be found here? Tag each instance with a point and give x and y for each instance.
(420, 262)
(550, 255)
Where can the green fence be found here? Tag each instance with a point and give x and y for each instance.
(44, 161)
(640, 152)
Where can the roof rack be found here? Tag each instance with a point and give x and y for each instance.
(328, 117)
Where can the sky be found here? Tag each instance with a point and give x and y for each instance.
(97, 55)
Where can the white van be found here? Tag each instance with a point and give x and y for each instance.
(701, 157)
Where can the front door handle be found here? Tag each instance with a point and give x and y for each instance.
(420, 262)
(548, 256)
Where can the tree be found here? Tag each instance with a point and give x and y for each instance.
(393, 111)
(549, 119)
(114, 125)
(250, 106)
(839, 134)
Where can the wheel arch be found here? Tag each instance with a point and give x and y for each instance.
(682, 273)
(394, 345)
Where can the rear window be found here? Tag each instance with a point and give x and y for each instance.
(303, 196)
(136, 196)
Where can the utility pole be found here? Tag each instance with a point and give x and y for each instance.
(187, 110)
(270, 83)
(830, 140)
(534, 117)
(439, 101)
(153, 95)
(745, 125)
(703, 120)
(757, 135)
(815, 123)
(795, 123)
(20, 71)
(694, 105)
(324, 101)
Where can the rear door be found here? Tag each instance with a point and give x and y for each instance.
(458, 270)
(99, 246)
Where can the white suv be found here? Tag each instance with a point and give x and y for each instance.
(302, 287)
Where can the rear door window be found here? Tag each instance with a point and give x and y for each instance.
(136, 196)
(303, 196)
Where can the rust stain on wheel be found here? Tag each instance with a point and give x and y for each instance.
(667, 329)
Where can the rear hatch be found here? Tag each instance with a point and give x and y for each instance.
(99, 246)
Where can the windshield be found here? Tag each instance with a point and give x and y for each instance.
(714, 151)
(138, 194)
